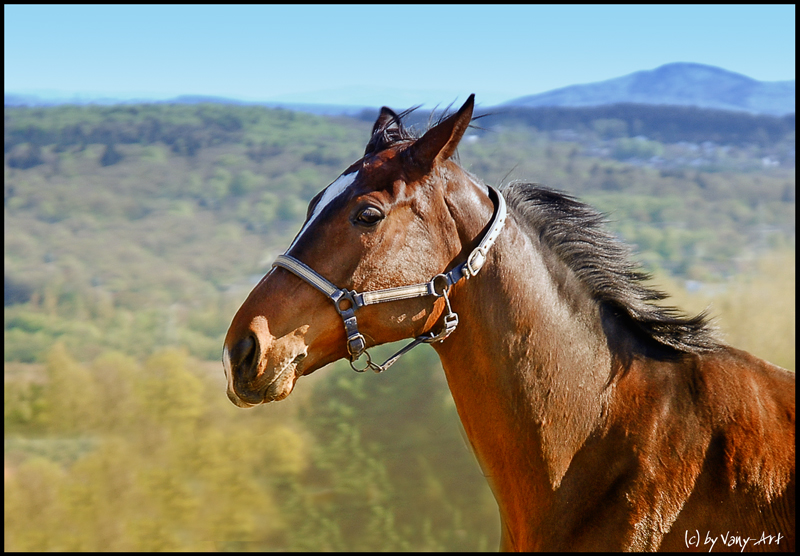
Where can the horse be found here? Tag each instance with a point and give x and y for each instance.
(601, 419)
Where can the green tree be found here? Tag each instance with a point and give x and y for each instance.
(110, 156)
(70, 394)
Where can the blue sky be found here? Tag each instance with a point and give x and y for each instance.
(397, 55)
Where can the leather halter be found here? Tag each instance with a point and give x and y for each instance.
(347, 301)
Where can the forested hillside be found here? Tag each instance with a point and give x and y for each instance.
(667, 124)
(132, 234)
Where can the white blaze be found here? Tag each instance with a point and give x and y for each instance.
(331, 193)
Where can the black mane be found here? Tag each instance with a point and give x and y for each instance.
(576, 234)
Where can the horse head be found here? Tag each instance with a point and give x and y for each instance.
(393, 218)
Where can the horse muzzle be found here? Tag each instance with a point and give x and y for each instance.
(261, 368)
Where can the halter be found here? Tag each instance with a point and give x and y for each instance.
(347, 301)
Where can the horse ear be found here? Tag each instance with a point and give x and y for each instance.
(387, 120)
(442, 139)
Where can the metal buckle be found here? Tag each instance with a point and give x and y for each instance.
(450, 323)
(474, 264)
(360, 349)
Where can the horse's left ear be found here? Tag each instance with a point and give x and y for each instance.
(441, 140)
(387, 120)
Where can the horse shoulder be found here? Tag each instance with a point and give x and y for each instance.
(711, 440)
(724, 392)
(751, 406)
(747, 477)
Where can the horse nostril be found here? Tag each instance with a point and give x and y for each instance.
(243, 355)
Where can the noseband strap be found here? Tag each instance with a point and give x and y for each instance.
(348, 301)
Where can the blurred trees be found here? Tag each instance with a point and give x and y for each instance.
(153, 457)
(754, 311)
(163, 472)
(667, 124)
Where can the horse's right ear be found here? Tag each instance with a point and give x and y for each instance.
(441, 140)
(387, 120)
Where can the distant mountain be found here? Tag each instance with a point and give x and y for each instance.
(13, 99)
(678, 84)
(21, 100)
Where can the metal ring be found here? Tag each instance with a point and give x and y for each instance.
(446, 285)
(369, 362)
(344, 295)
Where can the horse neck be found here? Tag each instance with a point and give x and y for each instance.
(528, 368)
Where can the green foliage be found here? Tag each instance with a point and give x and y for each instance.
(157, 476)
(663, 123)
(110, 156)
(750, 309)
(25, 156)
(130, 456)
(610, 128)
(69, 386)
(637, 147)
(413, 436)
(22, 405)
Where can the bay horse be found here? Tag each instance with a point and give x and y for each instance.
(602, 420)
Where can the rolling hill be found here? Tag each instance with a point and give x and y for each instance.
(679, 84)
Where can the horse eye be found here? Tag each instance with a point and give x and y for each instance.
(369, 216)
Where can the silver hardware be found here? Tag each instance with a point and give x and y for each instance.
(370, 365)
(445, 287)
(450, 322)
(361, 347)
(475, 262)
